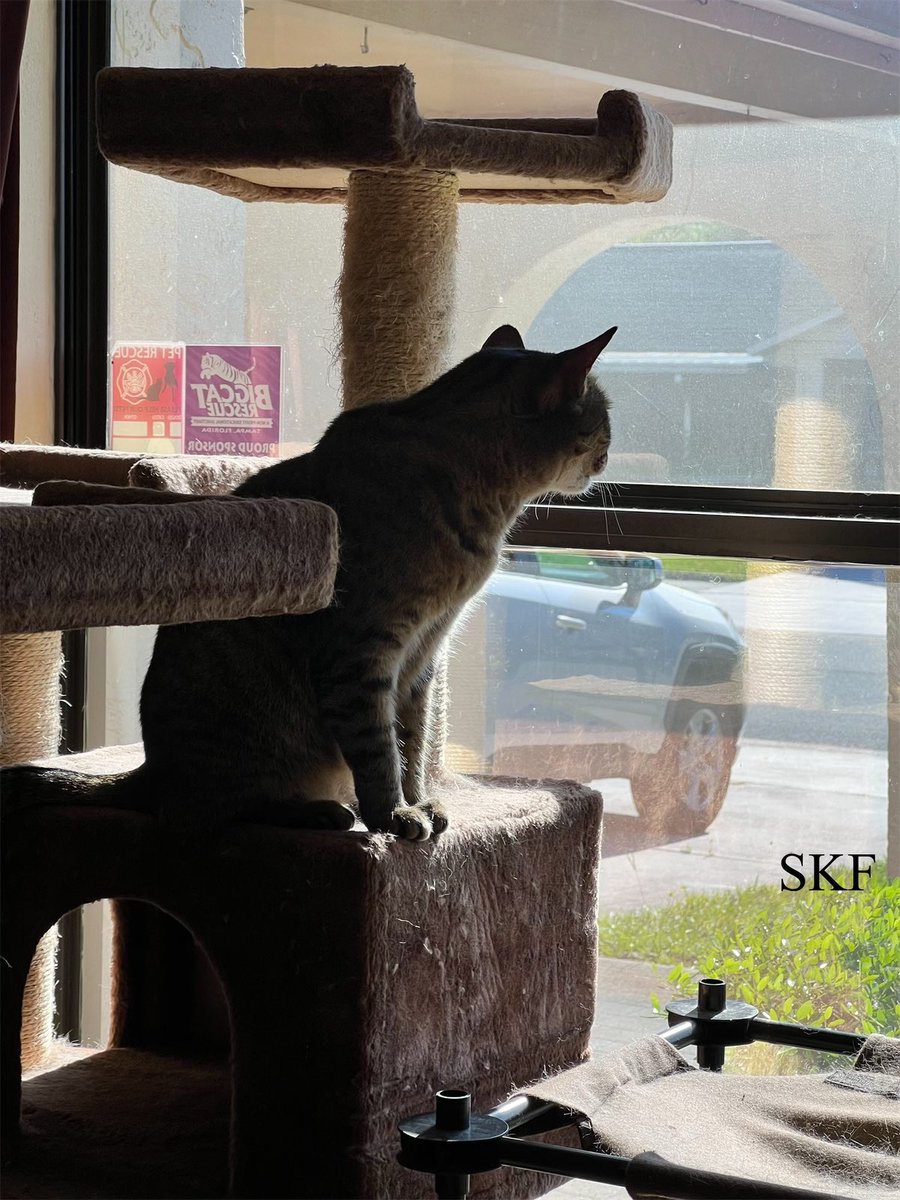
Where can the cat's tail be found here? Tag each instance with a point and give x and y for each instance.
(28, 786)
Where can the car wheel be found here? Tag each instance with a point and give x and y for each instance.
(681, 788)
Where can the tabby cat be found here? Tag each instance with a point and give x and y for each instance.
(287, 719)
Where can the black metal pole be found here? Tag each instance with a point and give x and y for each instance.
(682, 1034)
(805, 1037)
(528, 1115)
(561, 1160)
(711, 999)
(452, 1114)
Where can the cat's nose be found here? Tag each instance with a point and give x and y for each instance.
(600, 462)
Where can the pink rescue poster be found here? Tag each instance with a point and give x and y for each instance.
(232, 400)
(147, 384)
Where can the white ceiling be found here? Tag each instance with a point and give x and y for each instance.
(453, 78)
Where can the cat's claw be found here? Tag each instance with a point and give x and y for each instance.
(439, 820)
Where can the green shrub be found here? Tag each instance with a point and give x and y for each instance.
(818, 958)
(721, 570)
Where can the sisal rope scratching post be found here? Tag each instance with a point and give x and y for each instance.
(39, 1002)
(397, 286)
(784, 660)
(396, 297)
(30, 666)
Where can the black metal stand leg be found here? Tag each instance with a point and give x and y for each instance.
(453, 1114)
(710, 1058)
(452, 1187)
(710, 1000)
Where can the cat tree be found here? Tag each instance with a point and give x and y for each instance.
(463, 935)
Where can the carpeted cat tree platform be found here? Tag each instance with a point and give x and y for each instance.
(357, 971)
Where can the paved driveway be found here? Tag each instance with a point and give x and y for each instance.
(784, 798)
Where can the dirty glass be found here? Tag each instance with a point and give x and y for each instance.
(732, 713)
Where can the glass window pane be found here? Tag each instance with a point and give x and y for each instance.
(756, 304)
(733, 714)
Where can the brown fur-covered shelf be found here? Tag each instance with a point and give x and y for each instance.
(267, 134)
(144, 564)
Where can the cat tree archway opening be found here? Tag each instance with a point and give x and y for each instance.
(189, 1006)
(183, 1005)
(181, 1014)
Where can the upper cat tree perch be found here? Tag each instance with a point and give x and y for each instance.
(354, 133)
(292, 134)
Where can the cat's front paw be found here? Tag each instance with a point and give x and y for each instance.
(418, 822)
(412, 823)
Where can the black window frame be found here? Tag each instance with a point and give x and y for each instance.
(81, 324)
(840, 527)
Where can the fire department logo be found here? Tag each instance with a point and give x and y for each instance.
(133, 380)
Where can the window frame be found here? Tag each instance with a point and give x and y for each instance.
(81, 319)
(854, 528)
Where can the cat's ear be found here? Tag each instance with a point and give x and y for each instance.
(572, 369)
(575, 364)
(506, 336)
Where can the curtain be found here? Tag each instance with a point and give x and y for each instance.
(13, 18)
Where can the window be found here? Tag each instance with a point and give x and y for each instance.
(733, 715)
(708, 638)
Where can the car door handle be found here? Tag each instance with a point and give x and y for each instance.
(570, 624)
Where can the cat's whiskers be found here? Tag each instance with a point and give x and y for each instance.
(603, 505)
(609, 495)
(546, 499)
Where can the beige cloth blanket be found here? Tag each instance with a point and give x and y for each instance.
(836, 1134)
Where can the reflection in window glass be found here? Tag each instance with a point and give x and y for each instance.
(758, 336)
(191, 267)
(731, 713)
(756, 303)
(731, 356)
